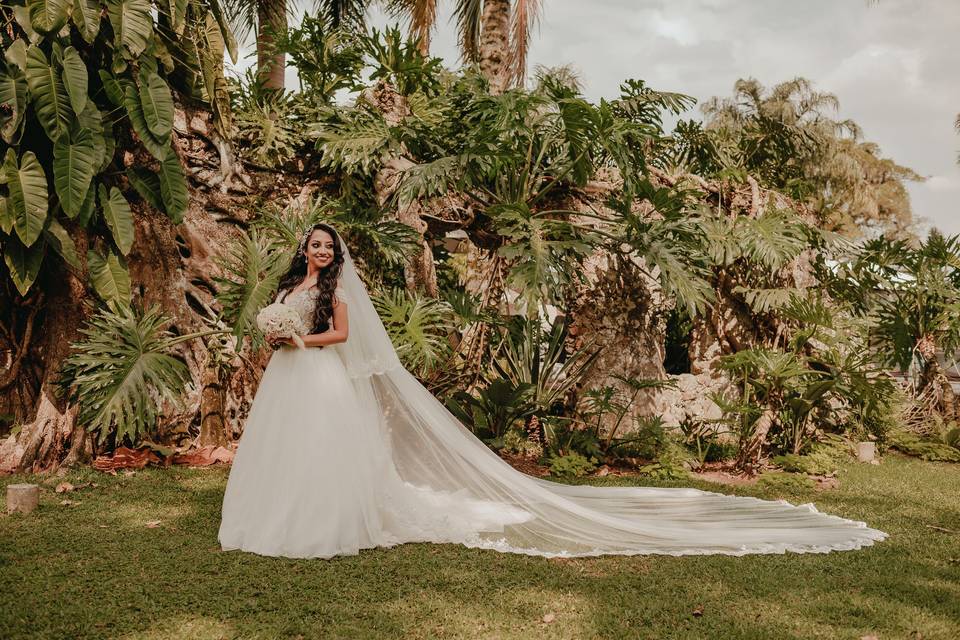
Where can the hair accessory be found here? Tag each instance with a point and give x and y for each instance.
(303, 240)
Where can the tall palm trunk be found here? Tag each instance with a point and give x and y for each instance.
(495, 43)
(271, 19)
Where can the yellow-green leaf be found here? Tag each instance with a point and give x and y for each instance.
(13, 94)
(173, 187)
(75, 79)
(109, 276)
(16, 54)
(58, 238)
(48, 16)
(23, 263)
(116, 212)
(132, 25)
(48, 92)
(86, 15)
(27, 184)
(73, 169)
(6, 218)
(157, 104)
(131, 99)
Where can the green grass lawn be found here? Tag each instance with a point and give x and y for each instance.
(95, 570)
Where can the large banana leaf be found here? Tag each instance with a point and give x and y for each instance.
(48, 16)
(173, 187)
(23, 263)
(75, 79)
(73, 169)
(49, 94)
(116, 211)
(58, 238)
(131, 100)
(132, 25)
(157, 105)
(86, 15)
(27, 184)
(109, 276)
(13, 93)
(120, 372)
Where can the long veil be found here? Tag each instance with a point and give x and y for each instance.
(431, 450)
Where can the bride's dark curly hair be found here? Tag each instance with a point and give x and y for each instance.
(326, 279)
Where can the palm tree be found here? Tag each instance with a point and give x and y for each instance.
(787, 138)
(495, 34)
(269, 18)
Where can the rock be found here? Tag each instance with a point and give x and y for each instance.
(866, 451)
(22, 497)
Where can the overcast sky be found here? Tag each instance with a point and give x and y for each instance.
(894, 65)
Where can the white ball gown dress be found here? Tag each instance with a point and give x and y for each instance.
(345, 450)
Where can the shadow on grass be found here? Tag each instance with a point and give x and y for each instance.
(96, 569)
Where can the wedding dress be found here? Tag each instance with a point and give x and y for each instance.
(345, 450)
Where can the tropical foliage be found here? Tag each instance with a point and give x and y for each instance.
(541, 184)
(787, 139)
(74, 77)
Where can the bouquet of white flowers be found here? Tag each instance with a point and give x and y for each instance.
(281, 321)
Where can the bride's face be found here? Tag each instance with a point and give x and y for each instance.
(319, 249)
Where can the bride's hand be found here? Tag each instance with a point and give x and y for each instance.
(276, 341)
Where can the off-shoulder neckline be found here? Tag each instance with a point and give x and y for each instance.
(314, 290)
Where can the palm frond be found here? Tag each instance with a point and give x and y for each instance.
(422, 15)
(253, 268)
(418, 327)
(468, 14)
(121, 372)
(525, 14)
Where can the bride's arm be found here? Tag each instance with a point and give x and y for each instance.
(335, 334)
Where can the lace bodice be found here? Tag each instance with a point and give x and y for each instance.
(305, 302)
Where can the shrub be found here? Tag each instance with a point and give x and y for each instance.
(572, 465)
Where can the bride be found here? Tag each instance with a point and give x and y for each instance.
(345, 450)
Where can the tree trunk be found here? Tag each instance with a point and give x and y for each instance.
(48, 422)
(495, 43)
(169, 265)
(751, 449)
(620, 311)
(271, 20)
(420, 272)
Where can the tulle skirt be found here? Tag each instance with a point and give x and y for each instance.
(312, 476)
